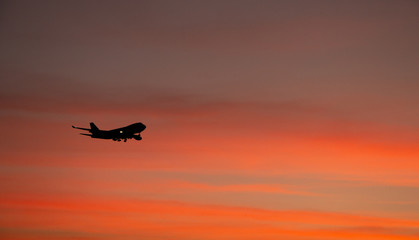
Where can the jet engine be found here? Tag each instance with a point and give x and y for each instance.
(137, 137)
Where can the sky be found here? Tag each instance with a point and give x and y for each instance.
(292, 120)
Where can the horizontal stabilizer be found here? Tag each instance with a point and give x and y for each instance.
(87, 129)
(86, 134)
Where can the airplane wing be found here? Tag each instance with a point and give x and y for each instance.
(86, 134)
(87, 129)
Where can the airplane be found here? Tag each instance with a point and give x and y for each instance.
(128, 132)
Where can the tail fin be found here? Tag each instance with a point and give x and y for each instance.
(93, 127)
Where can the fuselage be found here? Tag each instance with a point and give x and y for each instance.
(129, 131)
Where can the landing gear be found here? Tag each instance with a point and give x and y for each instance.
(119, 139)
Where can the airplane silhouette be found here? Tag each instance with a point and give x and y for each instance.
(118, 134)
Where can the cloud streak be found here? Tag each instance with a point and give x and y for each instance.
(134, 217)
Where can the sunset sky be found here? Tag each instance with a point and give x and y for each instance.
(266, 120)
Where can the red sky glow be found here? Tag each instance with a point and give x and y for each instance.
(266, 120)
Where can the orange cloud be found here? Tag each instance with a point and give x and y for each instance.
(177, 220)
